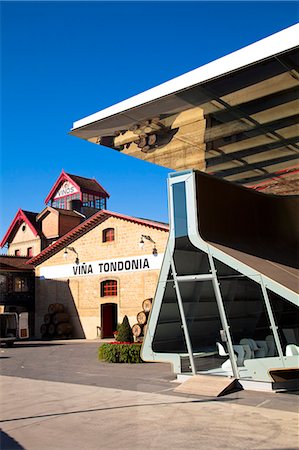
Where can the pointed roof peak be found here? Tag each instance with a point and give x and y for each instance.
(90, 185)
(28, 217)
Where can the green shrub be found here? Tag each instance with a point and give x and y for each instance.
(125, 331)
(120, 353)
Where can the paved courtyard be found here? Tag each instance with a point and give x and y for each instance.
(58, 396)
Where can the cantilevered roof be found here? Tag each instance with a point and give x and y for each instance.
(236, 117)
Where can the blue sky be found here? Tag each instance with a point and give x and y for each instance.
(61, 61)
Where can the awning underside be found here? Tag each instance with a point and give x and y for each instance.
(242, 127)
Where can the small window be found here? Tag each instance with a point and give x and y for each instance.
(108, 235)
(17, 252)
(20, 284)
(30, 252)
(3, 283)
(109, 288)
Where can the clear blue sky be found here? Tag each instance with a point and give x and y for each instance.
(61, 61)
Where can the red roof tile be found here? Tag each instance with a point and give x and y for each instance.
(88, 225)
(89, 184)
(82, 183)
(8, 262)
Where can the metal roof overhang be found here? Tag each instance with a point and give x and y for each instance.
(250, 109)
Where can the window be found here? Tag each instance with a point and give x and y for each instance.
(29, 252)
(100, 203)
(108, 235)
(3, 283)
(20, 284)
(91, 200)
(109, 288)
(17, 252)
(85, 200)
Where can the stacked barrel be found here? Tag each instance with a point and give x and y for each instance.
(139, 328)
(56, 323)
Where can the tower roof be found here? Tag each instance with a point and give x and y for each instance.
(81, 183)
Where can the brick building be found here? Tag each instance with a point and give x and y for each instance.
(87, 258)
(99, 272)
(71, 200)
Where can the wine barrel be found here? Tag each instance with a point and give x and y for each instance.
(64, 328)
(47, 319)
(55, 308)
(147, 304)
(142, 317)
(51, 329)
(137, 329)
(60, 317)
(44, 330)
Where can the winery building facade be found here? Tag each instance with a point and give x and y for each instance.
(86, 258)
(99, 272)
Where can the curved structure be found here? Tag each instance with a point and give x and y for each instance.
(229, 274)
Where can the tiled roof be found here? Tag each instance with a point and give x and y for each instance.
(31, 216)
(82, 183)
(15, 263)
(68, 212)
(86, 226)
(89, 184)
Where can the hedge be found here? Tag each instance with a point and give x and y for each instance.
(119, 352)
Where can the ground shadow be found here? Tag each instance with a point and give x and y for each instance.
(8, 443)
(81, 411)
(51, 291)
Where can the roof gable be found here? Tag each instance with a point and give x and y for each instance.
(67, 184)
(63, 178)
(50, 209)
(22, 216)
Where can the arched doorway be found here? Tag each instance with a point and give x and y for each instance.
(108, 319)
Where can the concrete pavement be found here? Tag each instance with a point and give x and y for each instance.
(58, 396)
(46, 415)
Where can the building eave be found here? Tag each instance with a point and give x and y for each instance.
(85, 227)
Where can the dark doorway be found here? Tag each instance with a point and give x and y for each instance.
(108, 319)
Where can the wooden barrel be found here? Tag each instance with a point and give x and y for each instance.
(142, 317)
(64, 328)
(44, 330)
(144, 329)
(60, 317)
(51, 329)
(147, 304)
(137, 330)
(47, 319)
(55, 308)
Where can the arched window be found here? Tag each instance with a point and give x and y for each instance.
(109, 288)
(108, 235)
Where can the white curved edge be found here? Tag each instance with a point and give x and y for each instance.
(188, 177)
(147, 353)
(265, 48)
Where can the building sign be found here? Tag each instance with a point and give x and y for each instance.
(66, 189)
(104, 267)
